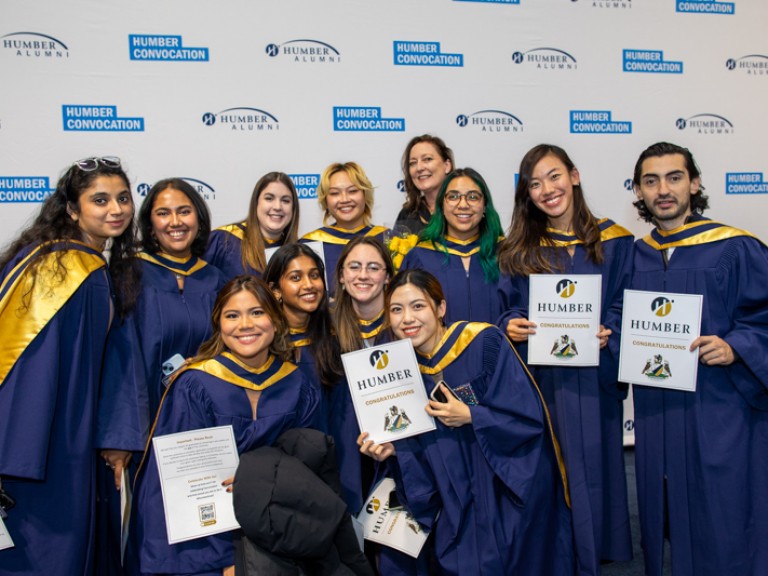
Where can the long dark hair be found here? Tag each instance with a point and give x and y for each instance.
(699, 201)
(214, 346)
(490, 225)
(343, 311)
(414, 198)
(324, 346)
(148, 241)
(520, 252)
(54, 223)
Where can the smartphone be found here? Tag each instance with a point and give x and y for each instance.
(437, 393)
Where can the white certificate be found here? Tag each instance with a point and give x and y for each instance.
(5, 537)
(126, 502)
(192, 465)
(657, 330)
(395, 528)
(387, 391)
(566, 309)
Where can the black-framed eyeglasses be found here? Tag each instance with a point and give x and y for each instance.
(91, 164)
(472, 198)
(371, 267)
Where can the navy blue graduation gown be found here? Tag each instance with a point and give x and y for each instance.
(708, 449)
(467, 293)
(495, 482)
(585, 403)
(334, 239)
(48, 404)
(165, 322)
(225, 250)
(199, 399)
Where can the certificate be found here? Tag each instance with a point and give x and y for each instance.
(393, 527)
(387, 391)
(657, 330)
(566, 309)
(5, 537)
(192, 465)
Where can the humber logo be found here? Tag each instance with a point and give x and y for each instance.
(163, 48)
(379, 359)
(546, 59)
(364, 119)
(661, 306)
(205, 190)
(751, 64)
(491, 121)
(705, 7)
(565, 288)
(650, 61)
(706, 124)
(415, 53)
(305, 50)
(34, 45)
(24, 189)
(745, 183)
(98, 118)
(305, 184)
(243, 118)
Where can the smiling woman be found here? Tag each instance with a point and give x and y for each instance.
(273, 220)
(491, 464)
(56, 307)
(346, 195)
(240, 377)
(170, 321)
(554, 232)
(459, 247)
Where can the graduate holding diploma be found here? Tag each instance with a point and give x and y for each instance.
(490, 468)
(554, 232)
(240, 378)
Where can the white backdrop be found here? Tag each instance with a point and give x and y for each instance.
(245, 87)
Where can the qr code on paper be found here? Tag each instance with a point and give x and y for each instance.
(207, 514)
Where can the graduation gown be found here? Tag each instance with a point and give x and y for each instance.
(468, 295)
(706, 452)
(585, 403)
(50, 362)
(225, 250)
(207, 394)
(334, 239)
(495, 482)
(166, 322)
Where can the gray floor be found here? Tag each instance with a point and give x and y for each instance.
(635, 567)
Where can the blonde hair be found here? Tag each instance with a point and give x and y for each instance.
(358, 177)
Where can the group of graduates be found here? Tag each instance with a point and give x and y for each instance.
(118, 329)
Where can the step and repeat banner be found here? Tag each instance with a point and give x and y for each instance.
(220, 93)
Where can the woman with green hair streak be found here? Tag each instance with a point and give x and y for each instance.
(459, 246)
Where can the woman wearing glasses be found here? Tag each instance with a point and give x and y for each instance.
(170, 321)
(362, 273)
(346, 195)
(426, 162)
(554, 232)
(273, 220)
(486, 481)
(58, 298)
(459, 245)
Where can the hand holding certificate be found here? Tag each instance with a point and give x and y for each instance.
(657, 330)
(192, 466)
(566, 311)
(387, 391)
